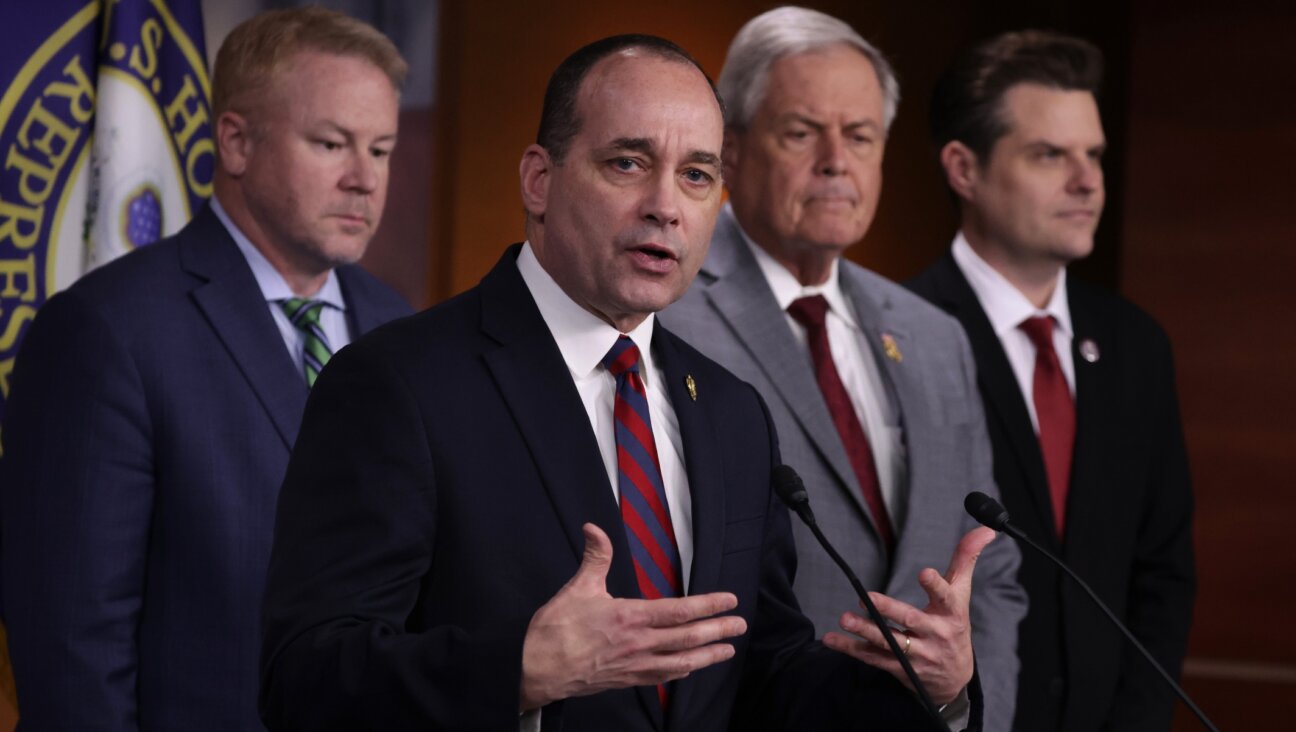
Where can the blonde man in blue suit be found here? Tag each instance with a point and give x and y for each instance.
(155, 401)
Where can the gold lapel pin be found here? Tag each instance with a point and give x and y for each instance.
(691, 385)
(891, 349)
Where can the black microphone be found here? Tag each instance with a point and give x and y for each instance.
(988, 512)
(787, 484)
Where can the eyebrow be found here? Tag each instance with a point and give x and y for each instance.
(646, 146)
(335, 127)
(1045, 143)
(819, 125)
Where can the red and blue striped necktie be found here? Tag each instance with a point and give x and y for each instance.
(639, 480)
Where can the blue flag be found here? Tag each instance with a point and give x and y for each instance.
(105, 142)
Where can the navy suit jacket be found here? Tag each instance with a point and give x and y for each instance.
(435, 500)
(153, 409)
(1128, 517)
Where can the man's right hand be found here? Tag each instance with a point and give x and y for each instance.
(584, 641)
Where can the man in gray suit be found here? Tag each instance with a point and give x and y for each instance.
(873, 391)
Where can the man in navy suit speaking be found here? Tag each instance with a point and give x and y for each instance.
(532, 507)
(154, 402)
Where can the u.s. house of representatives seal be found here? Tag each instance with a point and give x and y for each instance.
(105, 138)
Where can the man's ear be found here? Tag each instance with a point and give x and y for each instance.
(962, 171)
(234, 139)
(534, 173)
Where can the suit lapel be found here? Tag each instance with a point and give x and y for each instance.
(233, 304)
(536, 384)
(1003, 398)
(1088, 502)
(900, 383)
(361, 314)
(706, 483)
(706, 478)
(744, 301)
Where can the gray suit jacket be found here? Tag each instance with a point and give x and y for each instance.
(730, 314)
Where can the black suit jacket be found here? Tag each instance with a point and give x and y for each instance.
(153, 409)
(1129, 514)
(434, 502)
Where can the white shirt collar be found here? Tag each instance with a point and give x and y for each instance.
(787, 288)
(272, 284)
(1004, 304)
(582, 338)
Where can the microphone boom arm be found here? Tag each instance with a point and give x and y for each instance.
(989, 512)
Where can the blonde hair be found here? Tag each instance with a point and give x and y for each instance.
(259, 48)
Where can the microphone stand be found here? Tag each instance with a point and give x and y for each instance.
(789, 488)
(881, 623)
(989, 512)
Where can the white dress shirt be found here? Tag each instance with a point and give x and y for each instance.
(1006, 307)
(584, 339)
(858, 371)
(275, 289)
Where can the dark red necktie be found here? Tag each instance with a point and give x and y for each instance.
(644, 510)
(1055, 412)
(810, 312)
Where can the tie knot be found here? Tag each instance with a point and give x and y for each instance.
(623, 357)
(809, 311)
(302, 312)
(1040, 330)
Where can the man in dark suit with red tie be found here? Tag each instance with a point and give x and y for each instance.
(1078, 384)
(533, 507)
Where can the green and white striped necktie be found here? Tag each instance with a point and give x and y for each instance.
(305, 316)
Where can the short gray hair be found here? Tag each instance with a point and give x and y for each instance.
(789, 31)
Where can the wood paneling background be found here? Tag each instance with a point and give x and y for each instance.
(1208, 248)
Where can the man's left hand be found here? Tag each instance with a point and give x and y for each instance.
(938, 638)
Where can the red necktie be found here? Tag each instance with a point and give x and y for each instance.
(810, 312)
(1055, 411)
(644, 510)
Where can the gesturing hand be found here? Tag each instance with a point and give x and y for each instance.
(939, 637)
(584, 641)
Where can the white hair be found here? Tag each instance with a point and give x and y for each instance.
(783, 32)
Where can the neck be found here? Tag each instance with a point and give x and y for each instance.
(623, 323)
(810, 267)
(1035, 278)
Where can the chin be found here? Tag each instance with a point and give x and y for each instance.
(1077, 248)
(649, 302)
(832, 235)
(344, 253)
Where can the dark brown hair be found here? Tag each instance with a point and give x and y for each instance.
(967, 103)
(559, 120)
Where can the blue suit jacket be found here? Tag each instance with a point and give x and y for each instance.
(152, 413)
(435, 500)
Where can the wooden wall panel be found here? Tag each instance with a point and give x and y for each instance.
(1208, 249)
